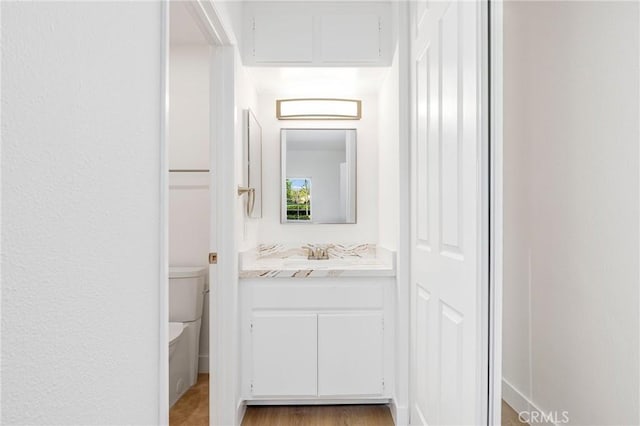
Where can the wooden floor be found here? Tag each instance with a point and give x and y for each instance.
(509, 416)
(318, 415)
(193, 410)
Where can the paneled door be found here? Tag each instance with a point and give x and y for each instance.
(447, 212)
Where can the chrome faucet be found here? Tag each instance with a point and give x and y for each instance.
(318, 253)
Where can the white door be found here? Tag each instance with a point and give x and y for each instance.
(446, 213)
(350, 354)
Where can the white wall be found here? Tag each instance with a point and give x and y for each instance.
(189, 203)
(189, 112)
(389, 231)
(571, 291)
(246, 97)
(366, 228)
(389, 159)
(80, 208)
(189, 108)
(188, 219)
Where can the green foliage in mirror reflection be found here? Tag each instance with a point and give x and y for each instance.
(298, 199)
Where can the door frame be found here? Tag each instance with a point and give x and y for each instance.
(222, 201)
(223, 130)
(495, 136)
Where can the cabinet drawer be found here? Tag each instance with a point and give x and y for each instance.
(322, 296)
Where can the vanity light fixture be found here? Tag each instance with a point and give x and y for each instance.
(318, 109)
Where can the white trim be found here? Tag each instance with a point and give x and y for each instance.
(163, 302)
(485, 243)
(224, 377)
(638, 17)
(399, 413)
(241, 409)
(514, 397)
(223, 318)
(495, 286)
(521, 403)
(316, 401)
(204, 22)
(1, 192)
(403, 353)
(220, 29)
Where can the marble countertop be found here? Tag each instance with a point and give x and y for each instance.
(290, 261)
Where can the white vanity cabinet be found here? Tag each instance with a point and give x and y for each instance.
(321, 339)
(283, 345)
(351, 354)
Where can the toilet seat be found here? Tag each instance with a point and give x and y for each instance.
(175, 331)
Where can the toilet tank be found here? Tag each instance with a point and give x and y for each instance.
(186, 293)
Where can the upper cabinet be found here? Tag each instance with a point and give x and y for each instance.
(350, 39)
(282, 39)
(318, 34)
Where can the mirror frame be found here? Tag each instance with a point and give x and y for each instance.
(283, 178)
(253, 175)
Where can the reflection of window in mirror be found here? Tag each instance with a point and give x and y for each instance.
(298, 199)
(328, 157)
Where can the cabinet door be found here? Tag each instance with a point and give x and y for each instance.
(350, 354)
(283, 38)
(350, 38)
(284, 354)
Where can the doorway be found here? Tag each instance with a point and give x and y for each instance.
(223, 275)
(196, 73)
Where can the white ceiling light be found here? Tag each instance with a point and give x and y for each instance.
(318, 109)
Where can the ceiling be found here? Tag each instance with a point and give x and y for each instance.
(300, 82)
(183, 27)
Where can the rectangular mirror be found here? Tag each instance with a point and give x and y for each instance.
(318, 169)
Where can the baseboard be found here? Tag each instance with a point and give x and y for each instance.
(399, 413)
(522, 404)
(514, 397)
(203, 364)
(241, 409)
(316, 401)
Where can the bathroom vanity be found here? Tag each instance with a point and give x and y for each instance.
(317, 331)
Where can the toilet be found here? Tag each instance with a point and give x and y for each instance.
(186, 298)
(178, 362)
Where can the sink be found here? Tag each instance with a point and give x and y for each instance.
(315, 264)
(283, 262)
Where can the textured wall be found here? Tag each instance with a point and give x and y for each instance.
(80, 215)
